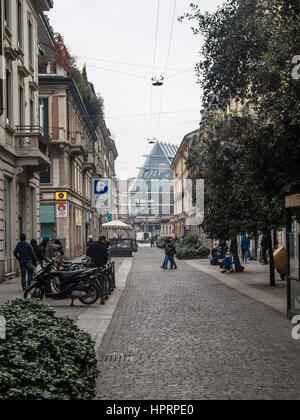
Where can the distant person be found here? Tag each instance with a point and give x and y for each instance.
(170, 252)
(43, 247)
(37, 249)
(89, 242)
(98, 252)
(223, 249)
(167, 256)
(152, 243)
(25, 254)
(245, 246)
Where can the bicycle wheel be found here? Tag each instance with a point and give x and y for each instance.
(35, 291)
(103, 282)
(92, 294)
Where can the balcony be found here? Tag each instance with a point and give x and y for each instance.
(88, 161)
(31, 143)
(99, 170)
(76, 146)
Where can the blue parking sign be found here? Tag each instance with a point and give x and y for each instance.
(100, 186)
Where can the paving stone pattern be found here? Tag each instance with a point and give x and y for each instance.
(184, 335)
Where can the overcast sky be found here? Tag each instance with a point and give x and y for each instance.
(106, 34)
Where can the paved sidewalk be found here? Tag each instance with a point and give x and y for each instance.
(253, 282)
(93, 319)
(185, 335)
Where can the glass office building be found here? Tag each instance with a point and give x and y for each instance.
(152, 194)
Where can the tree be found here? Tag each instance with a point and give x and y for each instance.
(247, 55)
(93, 103)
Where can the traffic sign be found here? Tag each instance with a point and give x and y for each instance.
(103, 195)
(101, 186)
(61, 211)
(61, 196)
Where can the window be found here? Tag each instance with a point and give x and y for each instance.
(7, 13)
(30, 43)
(32, 121)
(21, 105)
(8, 98)
(20, 23)
(45, 177)
(44, 115)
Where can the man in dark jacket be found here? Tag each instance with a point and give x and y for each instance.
(98, 252)
(171, 251)
(27, 258)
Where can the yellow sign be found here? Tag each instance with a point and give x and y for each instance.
(61, 196)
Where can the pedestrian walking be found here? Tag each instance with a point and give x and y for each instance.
(152, 243)
(25, 254)
(170, 252)
(98, 251)
(166, 260)
(245, 245)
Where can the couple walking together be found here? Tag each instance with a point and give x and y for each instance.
(170, 250)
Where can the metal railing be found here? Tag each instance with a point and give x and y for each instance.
(34, 130)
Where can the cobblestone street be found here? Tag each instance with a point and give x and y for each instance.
(184, 335)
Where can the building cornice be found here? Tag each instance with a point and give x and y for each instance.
(42, 5)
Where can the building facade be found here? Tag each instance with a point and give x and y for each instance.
(183, 218)
(72, 163)
(23, 143)
(79, 150)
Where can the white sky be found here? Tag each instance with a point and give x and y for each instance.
(103, 32)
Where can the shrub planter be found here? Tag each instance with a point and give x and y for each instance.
(190, 252)
(44, 357)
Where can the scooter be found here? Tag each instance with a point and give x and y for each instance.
(72, 285)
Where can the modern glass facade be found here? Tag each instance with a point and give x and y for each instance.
(153, 191)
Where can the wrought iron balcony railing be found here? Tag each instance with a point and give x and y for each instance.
(30, 130)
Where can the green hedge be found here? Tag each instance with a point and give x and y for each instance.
(190, 252)
(44, 357)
